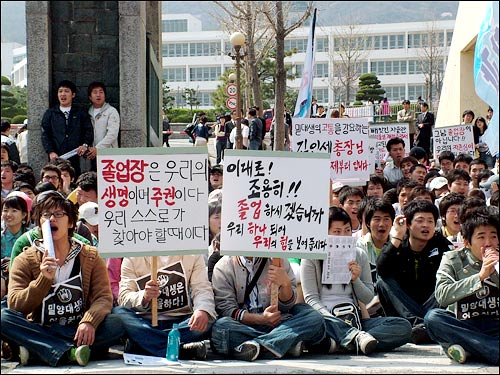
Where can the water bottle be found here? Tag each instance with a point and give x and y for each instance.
(174, 342)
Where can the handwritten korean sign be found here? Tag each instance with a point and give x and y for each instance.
(345, 139)
(152, 201)
(458, 139)
(275, 204)
(380, 135)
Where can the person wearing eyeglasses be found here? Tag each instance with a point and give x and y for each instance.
(51, 173)
(61, 301)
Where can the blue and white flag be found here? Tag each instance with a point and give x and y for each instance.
(486, 71)
(303, 105)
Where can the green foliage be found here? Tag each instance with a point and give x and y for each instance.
(18, 119)
(369, 88)
(185, 115)
(6, 81)
(168, 100)
(13, 100)
(291, 100)
(191, 98)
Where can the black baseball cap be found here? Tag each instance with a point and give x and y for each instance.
(217, 169)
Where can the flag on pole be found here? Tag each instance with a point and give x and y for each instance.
(486, 71)
(303, 105)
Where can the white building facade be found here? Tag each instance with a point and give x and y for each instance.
(196, 59)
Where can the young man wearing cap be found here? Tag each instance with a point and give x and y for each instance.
(439, 186)
(88, 213)
(66, 127)
(408, 115)
(216, 177)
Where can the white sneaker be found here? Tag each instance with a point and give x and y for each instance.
(247, 351)
(366, 342)
(296, 350)
(24, 356)
(457, 353)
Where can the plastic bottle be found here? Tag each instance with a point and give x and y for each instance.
(174, 342)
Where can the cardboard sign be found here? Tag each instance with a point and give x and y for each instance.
(458, 139)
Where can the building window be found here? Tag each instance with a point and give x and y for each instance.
(396, 41)
(174, 26)
(321, 95)
(174, 74)
(415, 91)
(175, 50)
(206, 73)
(204, 49)
(299, 44)
(322, 45)
(449, 37)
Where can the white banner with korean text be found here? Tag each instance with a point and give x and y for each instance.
(458, 139)
(380, 135)
(152, 201)
(345, 139)
(275, 204)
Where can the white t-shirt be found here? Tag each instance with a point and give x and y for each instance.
(245, 130)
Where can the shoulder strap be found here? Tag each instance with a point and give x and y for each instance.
(252, 283)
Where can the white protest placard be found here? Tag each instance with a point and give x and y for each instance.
(275, 204)
(152, 201)
(340, 251)
(345, 139)
(458, 139)
(380, 135)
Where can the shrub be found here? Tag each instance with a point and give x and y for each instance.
(18, 119)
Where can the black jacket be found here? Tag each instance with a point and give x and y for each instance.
(415, 272)
(59, 137)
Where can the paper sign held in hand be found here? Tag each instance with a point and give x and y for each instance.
(47, 238)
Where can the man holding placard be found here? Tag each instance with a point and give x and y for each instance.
(184, 296)
(249, 323)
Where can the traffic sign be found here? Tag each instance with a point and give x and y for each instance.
(231, 103)
(231, 89)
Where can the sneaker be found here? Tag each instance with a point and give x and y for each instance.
(366, 342)
(296, 350)
(419, 335)
(24, 356)
(457, 353)
(81, 355)
(333, 346)
(6, 351)
(247, 351)
(193, 350)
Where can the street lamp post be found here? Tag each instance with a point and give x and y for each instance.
(237, 39)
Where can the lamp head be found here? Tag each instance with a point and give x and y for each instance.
(232, 77)
(237, 39)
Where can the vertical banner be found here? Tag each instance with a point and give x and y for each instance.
(275, 204)
(458, 139)
(152, 201)
(486, 71)
(304, 99)
(346, 140)
(380, 135)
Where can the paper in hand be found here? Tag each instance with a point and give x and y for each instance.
(69, 154)
(47, 238)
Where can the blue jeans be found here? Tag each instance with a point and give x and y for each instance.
(51, 343)
(254, 144)
(477, 336)
(391, 332)
(396, 302)
(153, 340)
(305, 324)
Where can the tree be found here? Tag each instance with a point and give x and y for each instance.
(168, 100)
(276, 19)
(190, 96)
(431, 57)
(369, 88)
(13, 100)
(350, 48)
(246, 17)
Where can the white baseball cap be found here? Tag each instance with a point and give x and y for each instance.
(89, 212)
(438, 183)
